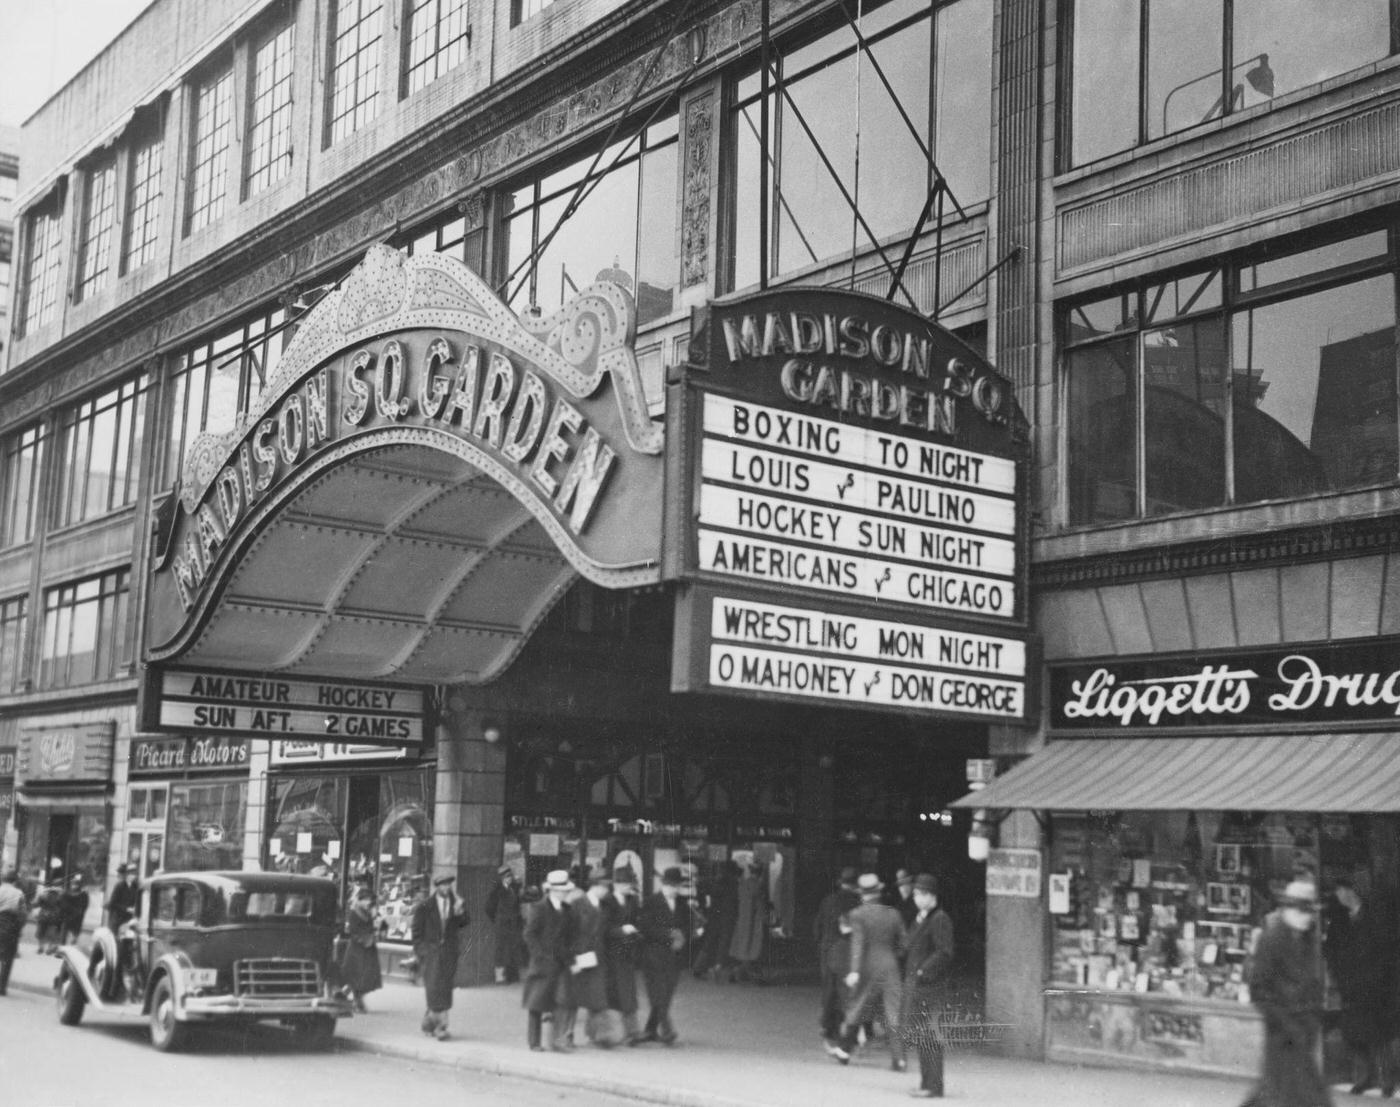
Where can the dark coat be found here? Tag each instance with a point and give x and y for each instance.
(507, 924)
(878, 942)
(359, 968)
(1362, 957)
(437, 944)
(549, 938)
(123, 904)
(664, 934)
(1285, 983)
(833, 947)
(621, 951)
(590, 985)
(927, 964)
(73, 909)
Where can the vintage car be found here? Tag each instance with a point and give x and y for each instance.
(214, 947)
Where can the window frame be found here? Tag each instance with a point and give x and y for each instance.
(267, 112)
(14, 671)
(361, 112)
(110, 654)
(97, 227)
(32, 439)
(410, 69)
(74, 435)
(38, 295)
(142, 195)
(217, 80)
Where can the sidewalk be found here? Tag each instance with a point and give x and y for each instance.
(741, 1046)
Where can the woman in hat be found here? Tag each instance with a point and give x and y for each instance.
(359, 968)
(620, 941)
(549, 936)
(1285, 983)
(507, 923)
(437, 922)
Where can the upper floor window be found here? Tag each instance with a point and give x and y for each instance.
(82, 637)
(938, 61)
(43, 260)
(1268, 380)
(521, 10)
(450, 236)
(143, 193)
(95, 241)
(12, 612)
(624, 229)
(1141, 69)
(21, 455)
(99, 453)
(438, 38)
(217, 378)
(9, 188)
(270, 110)
(356, 29)
(210, 140)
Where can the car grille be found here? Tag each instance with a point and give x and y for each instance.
(276, 977)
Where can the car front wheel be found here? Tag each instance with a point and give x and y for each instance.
(71, 1000)
(167, 1033)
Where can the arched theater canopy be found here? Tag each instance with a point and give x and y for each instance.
(415, 487)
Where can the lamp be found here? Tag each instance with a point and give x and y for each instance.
(1260, 77)
(979, 842)
(490, 731)
(301, 303)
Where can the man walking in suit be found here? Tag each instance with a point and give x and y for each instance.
(878, 942)
(833, 954)
(929, 961)
(621, 911)
(549, 940)
(437, 922)
(665, 923)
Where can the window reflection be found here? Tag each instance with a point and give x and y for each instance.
(1184, 407)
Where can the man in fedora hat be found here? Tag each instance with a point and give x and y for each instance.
(878, 943)
(665, 923)
(1285, 983)
(903, 898)
(622, 936)
(125, 899)
(437, 922)
(549, 939)
(507, 924)
(926, 968)
(834, 953)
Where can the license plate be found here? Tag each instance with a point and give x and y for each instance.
(202, 978)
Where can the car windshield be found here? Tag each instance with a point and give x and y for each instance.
(244, 904)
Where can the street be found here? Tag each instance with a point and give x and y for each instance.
(108, 1062)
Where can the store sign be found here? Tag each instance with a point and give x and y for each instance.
(1013, 872)
(1339, 683)
(286, 753)
(361, 713)
(420, 350)
(842, 457)
(7, 764)
(745, 645)
(178, 756)
(78, 753)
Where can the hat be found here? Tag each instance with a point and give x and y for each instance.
(124, 868)
(869, 884)
(848, 875)
(504, 870)
(902, 876)
(558, 881)
(926, 882)
(1301, 894)
(445, 878)
(601, 876)
(672, 876)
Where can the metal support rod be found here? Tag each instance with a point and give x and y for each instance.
(913, 240)
(764, 136)
(937, 258)
(1011, 255)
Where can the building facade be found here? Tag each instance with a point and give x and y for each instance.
(1176, 249)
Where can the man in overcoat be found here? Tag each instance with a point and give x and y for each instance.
(665, 924)
(437, 924)
(14, 909)
(1360, 948)
(878, 942)
(1285, 984)
(833, 954)
(926, 968)
(125, 899)
(503, 912)
(622, 937)
(549, 940)
(590, 982)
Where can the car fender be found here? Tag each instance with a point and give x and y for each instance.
(173, 965)
(105, 944)
(75, 963)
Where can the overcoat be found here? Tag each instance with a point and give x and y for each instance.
(503, 911)
(436, 942)
(590, 985)
(1362, 956)
(926, 967)
(549, 938)
(878, 942)
(1285, 983)
(359, 970)
(621, 951)
(752, 914)
(660, 957)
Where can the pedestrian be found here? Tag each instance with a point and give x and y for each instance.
(928, 962)
(834, 954)
(125, 899)
(665, 923)
(1362, 956)
(14, 909)
(903, 898)
(507, 924)
(590, 983)
(359, 969)
(437, 925)
(1285, 984)
(750, 924)
(622, 938)
(73, 910)
(723, 915)
(48, 921)
(878, 942)
(549, 936)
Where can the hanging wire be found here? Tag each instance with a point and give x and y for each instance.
(855, 241)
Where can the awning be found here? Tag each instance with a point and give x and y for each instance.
(1315, 772)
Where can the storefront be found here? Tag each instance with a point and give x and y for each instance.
(1179, 795)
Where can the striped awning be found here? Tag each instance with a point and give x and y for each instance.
(1312, 772)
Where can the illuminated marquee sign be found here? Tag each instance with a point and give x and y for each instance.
(279, 707)
(851, 467)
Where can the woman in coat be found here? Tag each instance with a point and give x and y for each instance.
(590, 983)
(549, 939)
(359, 970)
(746, 947)
(621, 941)
(507, 922)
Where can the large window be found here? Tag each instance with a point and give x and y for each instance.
(938, 61)
(449, 235)
(11, 643)
(439, 34)
(142, 202)
(206, 825)
(270, 111)
(1261, 381)
(217, 378)
(83, 631)
(21, 454)
(43, 258)
(99, 453)
(1141, 69)
(624, 230)
(356, 29)
(94, 246)
(209, 146)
